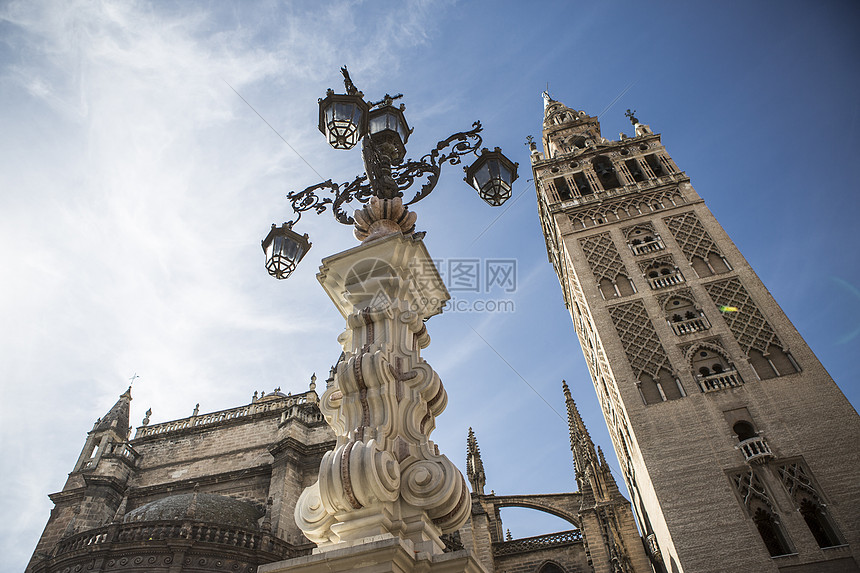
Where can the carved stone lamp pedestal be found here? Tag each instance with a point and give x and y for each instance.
(385, 482)
(392, 555)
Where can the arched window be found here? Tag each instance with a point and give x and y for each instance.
(605, 172)
(744, 430)
(753, 446)
(644, 240)
(664, 386)
(551, 567)
(714, 263)
(635, 170)
(798, 482)
(712, 369)
(561, 188)
(661, 274)
(684, 317)
(654, 163)
(771, 532)
(777, 362)
(581, 183)
(819, 523)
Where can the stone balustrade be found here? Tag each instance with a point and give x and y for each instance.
(155, 531)
(689, 325)
(664, 281)
(755, 449)
(537, 542)
(720, 381)
(649, 247)
(258, 407)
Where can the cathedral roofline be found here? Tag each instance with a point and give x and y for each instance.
(267, 405)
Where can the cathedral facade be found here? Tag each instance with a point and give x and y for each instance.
(218, 491)
(739, 451)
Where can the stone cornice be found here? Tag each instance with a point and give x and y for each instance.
(187, 485)
(297, 451)
(93, 480)
(69, 496)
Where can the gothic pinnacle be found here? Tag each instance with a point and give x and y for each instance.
(474, 464)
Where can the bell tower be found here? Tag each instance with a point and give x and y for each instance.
(95, 492)
(738, 449)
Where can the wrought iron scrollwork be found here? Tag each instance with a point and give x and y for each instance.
(384, 180)
(432, 162)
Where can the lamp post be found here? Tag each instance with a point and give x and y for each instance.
(346, 119)
(385, 478)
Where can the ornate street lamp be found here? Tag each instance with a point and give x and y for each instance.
(492, 175)
(284, 249)
(387, 127)
(384, 476)
(346, 119)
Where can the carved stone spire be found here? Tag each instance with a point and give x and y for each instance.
(117, 417)
(608, 478)
(584, 455)
(474, 464)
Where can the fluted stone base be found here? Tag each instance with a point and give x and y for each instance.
(391, 555)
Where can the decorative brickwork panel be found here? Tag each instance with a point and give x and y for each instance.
(692, 237)
(748, 324)
(603, 257)
(639, 338)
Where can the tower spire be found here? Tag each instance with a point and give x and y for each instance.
(474, 464)
(117, 417)
(585, 460)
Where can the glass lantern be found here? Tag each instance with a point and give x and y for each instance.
(492, 175)
(284, 249)
(387, 125)
(343, 119)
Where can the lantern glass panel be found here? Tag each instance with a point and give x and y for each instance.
(284, 249)
(341, 120)
(388, 119)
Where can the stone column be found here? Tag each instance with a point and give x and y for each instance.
(385, 478)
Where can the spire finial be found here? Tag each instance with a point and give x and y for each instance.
(474, 464)
(630, 114)
(546, 98)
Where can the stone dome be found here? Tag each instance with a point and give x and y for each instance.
(202, 507)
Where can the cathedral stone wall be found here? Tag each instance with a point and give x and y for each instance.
(570, 559)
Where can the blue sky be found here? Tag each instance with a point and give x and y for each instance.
(135, 187)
